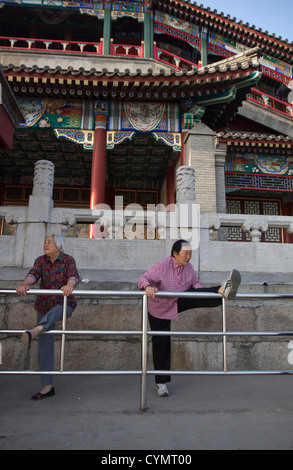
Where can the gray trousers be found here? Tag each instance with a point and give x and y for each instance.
(46, 342)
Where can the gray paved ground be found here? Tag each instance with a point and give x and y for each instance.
(102, 413)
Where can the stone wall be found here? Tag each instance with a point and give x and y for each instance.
(200, 148)
(124, 352)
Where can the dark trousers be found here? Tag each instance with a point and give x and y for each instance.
(162, 344)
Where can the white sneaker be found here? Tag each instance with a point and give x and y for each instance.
(232, 284)
(162, 390)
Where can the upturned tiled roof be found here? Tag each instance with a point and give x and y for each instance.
(241, 61)
(222, 23)
(254, 136)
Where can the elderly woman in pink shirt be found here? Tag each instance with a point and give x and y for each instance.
(176, 274)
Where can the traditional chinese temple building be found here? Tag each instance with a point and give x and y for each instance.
(158, 102)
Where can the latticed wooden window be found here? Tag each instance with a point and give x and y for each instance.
(234, 233)
(253, 207)
(273, 234)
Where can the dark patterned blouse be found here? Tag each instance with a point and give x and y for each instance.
(53, 276)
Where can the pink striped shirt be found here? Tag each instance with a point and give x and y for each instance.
(166, 275)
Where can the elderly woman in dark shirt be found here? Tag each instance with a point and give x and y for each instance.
(56, 270)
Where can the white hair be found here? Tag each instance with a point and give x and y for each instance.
(59, 241)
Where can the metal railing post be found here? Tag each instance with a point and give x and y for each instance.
(144, 347)
(224, 335)
(63, 334)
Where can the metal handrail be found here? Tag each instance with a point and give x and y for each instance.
(144, 333)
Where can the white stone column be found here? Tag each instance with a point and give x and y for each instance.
(43, 178)
(188, 211)
(39, 210)
(220, 159)
(185, 184)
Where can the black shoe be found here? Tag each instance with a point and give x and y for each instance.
(40, 396)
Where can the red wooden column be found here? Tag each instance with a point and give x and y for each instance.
(99, 154)
(183, 148)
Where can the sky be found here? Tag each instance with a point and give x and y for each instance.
(274, 16)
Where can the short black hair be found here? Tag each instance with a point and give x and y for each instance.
(177, 246)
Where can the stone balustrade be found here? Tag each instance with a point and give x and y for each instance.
(131, 238)
(255, 225)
